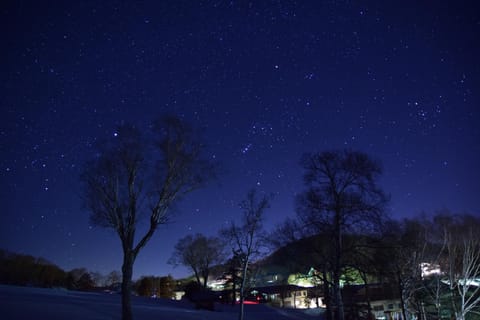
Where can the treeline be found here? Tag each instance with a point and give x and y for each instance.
(27, 270)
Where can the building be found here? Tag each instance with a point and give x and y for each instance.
(289, 296)
(384, 301)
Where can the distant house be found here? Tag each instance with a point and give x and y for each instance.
(290, 296)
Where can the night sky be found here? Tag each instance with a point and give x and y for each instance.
(265, 80)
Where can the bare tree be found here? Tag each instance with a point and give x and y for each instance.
(113, 278)
(469, 285)
(131, 179)
(463, 264)
(245, 238)
(342, 197)
(199, 253)
(400, 258)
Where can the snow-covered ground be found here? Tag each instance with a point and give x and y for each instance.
(52, 304)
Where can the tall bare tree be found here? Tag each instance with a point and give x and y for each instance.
(403, 251)
(463, 263)
(469, 285)
(341, 197)
(132, 178)
(198, 253)
(245, 238)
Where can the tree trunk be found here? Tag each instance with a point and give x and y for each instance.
(205, 280)
(127, 271)
(197, 277)
(453, 302)
(337, 294)
(339, 314)
(327, 297)
(402, 300)
(367, 294)
(242, 290)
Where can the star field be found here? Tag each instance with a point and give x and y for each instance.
(265, 81)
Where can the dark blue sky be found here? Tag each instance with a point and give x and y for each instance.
(266, 80)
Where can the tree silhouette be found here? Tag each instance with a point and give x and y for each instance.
(199, 253)
(245, 238)
(167, 287)
(19, 269)
(133, 178)
(341, 197)
(400, 257)
(113, 279)
(462, 263)
(148, 286)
